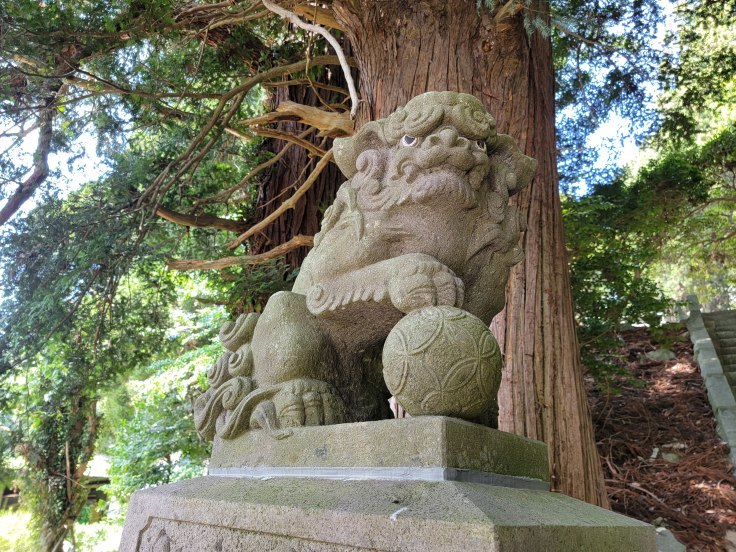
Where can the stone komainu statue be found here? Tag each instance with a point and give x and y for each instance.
(422, 228)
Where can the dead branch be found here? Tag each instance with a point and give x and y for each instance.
(165, 179)
(236, 20)
(508, 9)
(224, 195)
(278, 135)
(297, 82)
(294, 18)
(204, 7)
(329, 123)
(202, 221)
(286, 205)
(297, 241)
(318, 15)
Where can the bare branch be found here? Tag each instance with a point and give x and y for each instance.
(204, 7)
(224, 195)
(296, 82)
(286, 205)
(202, 221)
(329, 123)
(607, 49)
(318, 15)
(40, 168)
(165, 180)
(236, 20)
(278, 135)
(294, 18)
(297, 241)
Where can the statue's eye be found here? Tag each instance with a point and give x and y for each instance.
(408, 140)
(481, 144)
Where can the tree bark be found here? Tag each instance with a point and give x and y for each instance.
(289, 174)
(407, 48)
(40, 165)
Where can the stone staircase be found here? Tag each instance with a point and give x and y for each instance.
(721, 327)
(714, 345)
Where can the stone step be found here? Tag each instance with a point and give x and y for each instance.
(720, 314)
(727, 360)
(731, 377)
(726, 342)
(725, 351)
(729, 312)
(726, 334)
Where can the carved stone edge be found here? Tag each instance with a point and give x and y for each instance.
(385, 474)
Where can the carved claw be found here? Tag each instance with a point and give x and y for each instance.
(425, 282)
(301, 402)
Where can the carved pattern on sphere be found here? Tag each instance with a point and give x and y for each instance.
(442, 361)
(422, 221)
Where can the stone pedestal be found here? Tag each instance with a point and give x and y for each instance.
(424, 484)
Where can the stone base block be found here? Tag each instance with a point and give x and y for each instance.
(425, 447)
(228, 514)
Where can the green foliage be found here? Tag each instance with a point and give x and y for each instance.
(253, 285)
(52, 415)
(86, 298)
(700, 83)
(666, 335)
(610, 250)
(605, 60)
(14, 537)
(157, 443)
(656, 230)
(611, 246)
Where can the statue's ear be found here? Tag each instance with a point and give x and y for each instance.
(507, 153)
(347, 150)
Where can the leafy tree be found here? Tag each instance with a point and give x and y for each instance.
(611, 251)
(54, 421)
(670, 221)
(158, 443)
(699, 123)
(668, 224)
(699, 90)
(86, 293)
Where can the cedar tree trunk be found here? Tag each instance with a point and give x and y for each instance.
(407, 48)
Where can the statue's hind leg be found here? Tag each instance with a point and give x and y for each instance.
(295, 358)
(278, 372)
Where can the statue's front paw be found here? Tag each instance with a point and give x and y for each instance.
(299, 402)
(424, 283)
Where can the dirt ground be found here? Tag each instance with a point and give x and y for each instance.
(662, 459)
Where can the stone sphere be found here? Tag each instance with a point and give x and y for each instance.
(442, 361)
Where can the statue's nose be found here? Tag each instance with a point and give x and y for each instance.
(446, 137)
